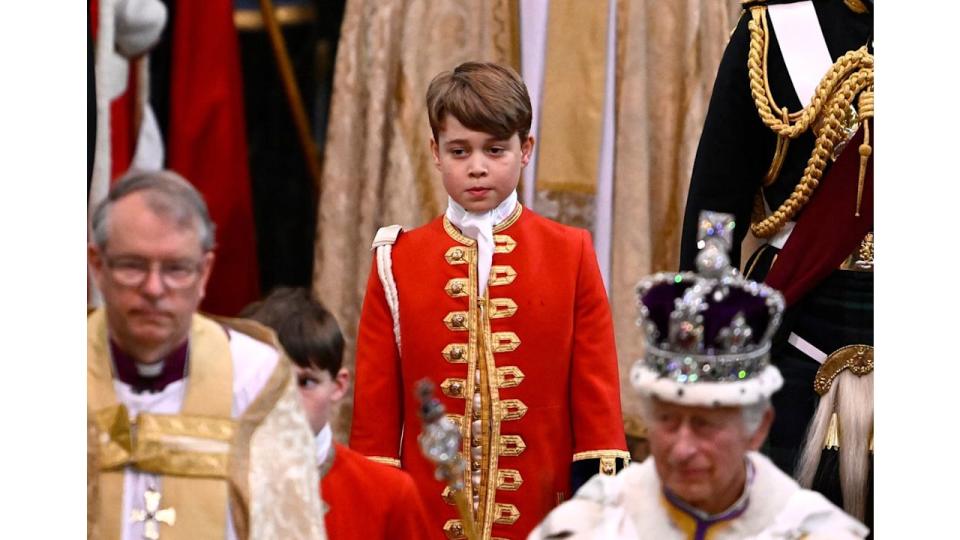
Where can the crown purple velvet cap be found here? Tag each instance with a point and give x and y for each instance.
(709, 326)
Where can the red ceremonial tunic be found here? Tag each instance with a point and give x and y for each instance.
(529, 371)
(367, 500)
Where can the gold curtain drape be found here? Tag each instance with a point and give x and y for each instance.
(378, 170)
(377, 165)
(667, 59)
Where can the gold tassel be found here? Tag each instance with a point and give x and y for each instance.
(866, 113)
(833, 434)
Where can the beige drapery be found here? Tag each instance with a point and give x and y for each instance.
(378, 171)
(668, 54)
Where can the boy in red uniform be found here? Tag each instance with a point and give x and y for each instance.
(362, 499)
(505, 311)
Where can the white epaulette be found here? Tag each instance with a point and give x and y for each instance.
(383, 245)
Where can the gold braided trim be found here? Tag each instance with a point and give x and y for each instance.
(502, 308)
(856, 358)
(509, 479)
(455, 233)
(771, 114)
(594, 454)
(849, 76)
(501, 274)
(506, 514)
(509, 376)
(393, 462)
(503, 243)
(511, 219)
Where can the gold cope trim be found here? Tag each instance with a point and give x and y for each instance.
(506, 514)
(393, 462)
(503, 243)
(856, 358)
(504, 341)
(512, 445)
(509, 376)
(183, 445)
(512, 409)
(502, 308)
(457, 287)
(453, 528)
(509, 480)
(455, 353)
(116, 445)
(501, 274)
(456, 321)
(453, 387)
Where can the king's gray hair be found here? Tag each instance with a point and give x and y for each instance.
(751, 415)
(167, 194)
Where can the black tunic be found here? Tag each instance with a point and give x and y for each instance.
(734, 154)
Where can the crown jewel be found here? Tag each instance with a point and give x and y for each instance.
(712, 325)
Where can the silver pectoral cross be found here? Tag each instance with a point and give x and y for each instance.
(152, 516)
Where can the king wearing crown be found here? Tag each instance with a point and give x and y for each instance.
(706, 381)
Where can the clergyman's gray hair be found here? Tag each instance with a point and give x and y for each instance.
(167, 194)
(751, 414)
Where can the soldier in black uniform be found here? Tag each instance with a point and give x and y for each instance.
(798, 172)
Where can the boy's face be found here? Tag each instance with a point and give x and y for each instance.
(479, 171)
(319, 391)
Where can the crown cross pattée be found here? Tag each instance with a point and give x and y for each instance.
(152, 516)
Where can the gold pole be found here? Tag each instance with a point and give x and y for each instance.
(466, 516)
(436, 439)
(310, 152)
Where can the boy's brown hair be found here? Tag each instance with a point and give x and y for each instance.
(483, 96)
(307, 331)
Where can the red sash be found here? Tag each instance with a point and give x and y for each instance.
(827, 231)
